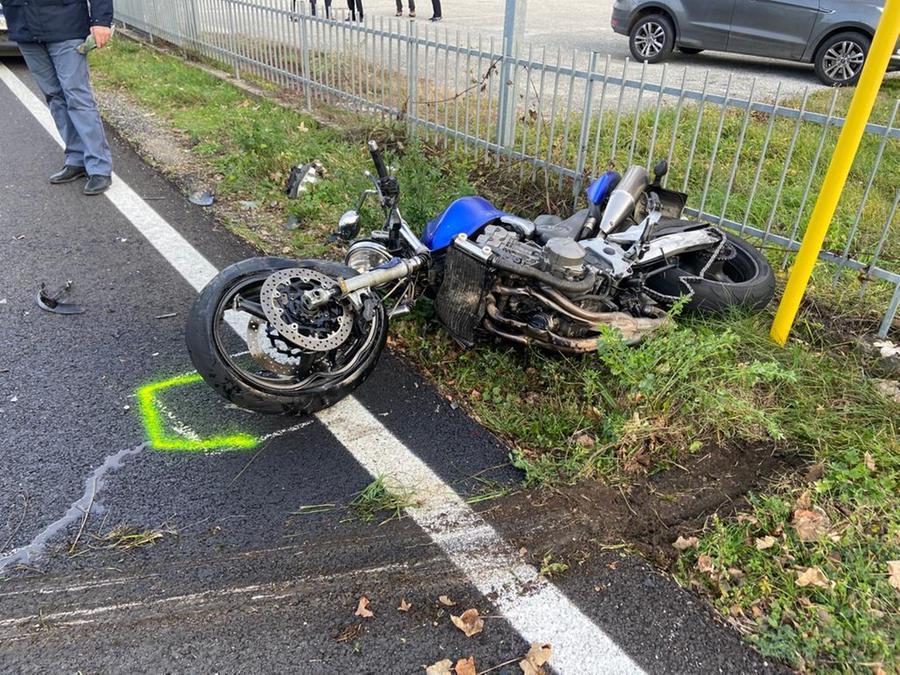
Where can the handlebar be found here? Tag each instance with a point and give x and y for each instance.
(380, 168)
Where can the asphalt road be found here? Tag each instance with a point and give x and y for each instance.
(239, 581)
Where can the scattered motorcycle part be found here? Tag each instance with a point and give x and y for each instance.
(319, 330)
(50, 302)
(302, 176)
(624, 198)
(366, 255)
(202, 198)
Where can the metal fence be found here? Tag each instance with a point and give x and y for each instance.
(750, 165)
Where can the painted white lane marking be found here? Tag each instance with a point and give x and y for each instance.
(533, 606)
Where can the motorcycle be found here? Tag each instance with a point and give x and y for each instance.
(276, 335)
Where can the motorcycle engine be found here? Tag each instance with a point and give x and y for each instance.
(562, 257)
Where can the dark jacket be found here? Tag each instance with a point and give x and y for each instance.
(55, 20)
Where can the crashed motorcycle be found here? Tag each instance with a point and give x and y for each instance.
(276, 335)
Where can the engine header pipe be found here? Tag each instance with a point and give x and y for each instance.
(875, 67)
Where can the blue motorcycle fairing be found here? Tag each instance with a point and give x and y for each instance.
(600, 189)
(463, 216)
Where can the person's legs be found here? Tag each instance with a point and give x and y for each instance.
(359, 10)
(72, 71)
(42, 70)
(412, 7)
(436, 6)
(327, 9)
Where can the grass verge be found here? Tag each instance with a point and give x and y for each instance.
(622, 411)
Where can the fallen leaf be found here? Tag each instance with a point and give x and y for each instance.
(469, 622)
(362, 609)
(443, 667)
(705, 563)
(810, 524)
(765, 542)
(747, 518)
(894, 573)
(813, 576)
(803, 501)
(870, 461)
(466, 666)
(534, 660)
(447, 602)
(682, 543)
(404, 605)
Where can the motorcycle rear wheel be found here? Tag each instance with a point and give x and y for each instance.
(249, 390)
(745, 281)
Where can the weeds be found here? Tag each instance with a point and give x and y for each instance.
(377, 498)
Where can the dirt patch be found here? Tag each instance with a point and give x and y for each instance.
(651, 512)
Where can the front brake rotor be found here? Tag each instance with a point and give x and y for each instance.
(320, 330)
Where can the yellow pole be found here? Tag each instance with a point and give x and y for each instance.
(876, 65)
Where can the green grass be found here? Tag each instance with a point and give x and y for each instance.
(623, 410)
(379, 498)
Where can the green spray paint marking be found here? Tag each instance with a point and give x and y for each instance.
(156, 433)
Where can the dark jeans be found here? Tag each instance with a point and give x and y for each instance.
(356, 10)
(436, 6)
(412, 5)
(312, 7)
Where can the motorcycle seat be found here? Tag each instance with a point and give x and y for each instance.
(547, 226)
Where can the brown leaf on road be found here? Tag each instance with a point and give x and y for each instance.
(445, 601)
(810, 524)
(466, 666)
(894, 573)
(684, 543)
(404, 605)
(762, 543)
(813, 576)
(362, 609)
(535, 659)
(443, 667)
(469, 622)
(705, 564)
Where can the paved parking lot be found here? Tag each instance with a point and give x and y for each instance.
(584, 26)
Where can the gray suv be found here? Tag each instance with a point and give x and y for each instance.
(834, 35)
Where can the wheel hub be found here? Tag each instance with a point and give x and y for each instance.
(320, 329)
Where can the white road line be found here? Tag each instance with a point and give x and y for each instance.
(533, 606)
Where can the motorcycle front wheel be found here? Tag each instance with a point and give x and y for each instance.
(743, 278)
(250, 364)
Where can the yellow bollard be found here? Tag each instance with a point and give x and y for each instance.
(876, 65)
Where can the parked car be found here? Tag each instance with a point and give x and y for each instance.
(7, 46)
(834, 35)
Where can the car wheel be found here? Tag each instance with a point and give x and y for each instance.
(652, 38)
(839, 60)
(689, 50)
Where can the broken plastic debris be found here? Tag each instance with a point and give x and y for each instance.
(293, 222)
(201, 198)
(50, 302)
(303, 176)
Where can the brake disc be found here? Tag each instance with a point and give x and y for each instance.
(320, 330)
(277, 360)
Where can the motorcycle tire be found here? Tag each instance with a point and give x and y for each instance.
(750, 284)
(228, 382)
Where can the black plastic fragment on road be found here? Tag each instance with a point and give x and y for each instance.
(52, 302)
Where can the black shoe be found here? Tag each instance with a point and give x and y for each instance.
(97, 185)
(435, 19)
(68, 174)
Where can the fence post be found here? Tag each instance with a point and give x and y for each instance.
(412, 79)
(195, 29)
(304, 54)
(585, 134)
(513, 34)
(237, 70)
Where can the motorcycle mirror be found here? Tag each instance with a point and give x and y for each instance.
(348, 225)
(661, 169)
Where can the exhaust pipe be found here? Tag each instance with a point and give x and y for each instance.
(624, 198)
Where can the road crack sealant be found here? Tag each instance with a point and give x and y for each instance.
(81, 507)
